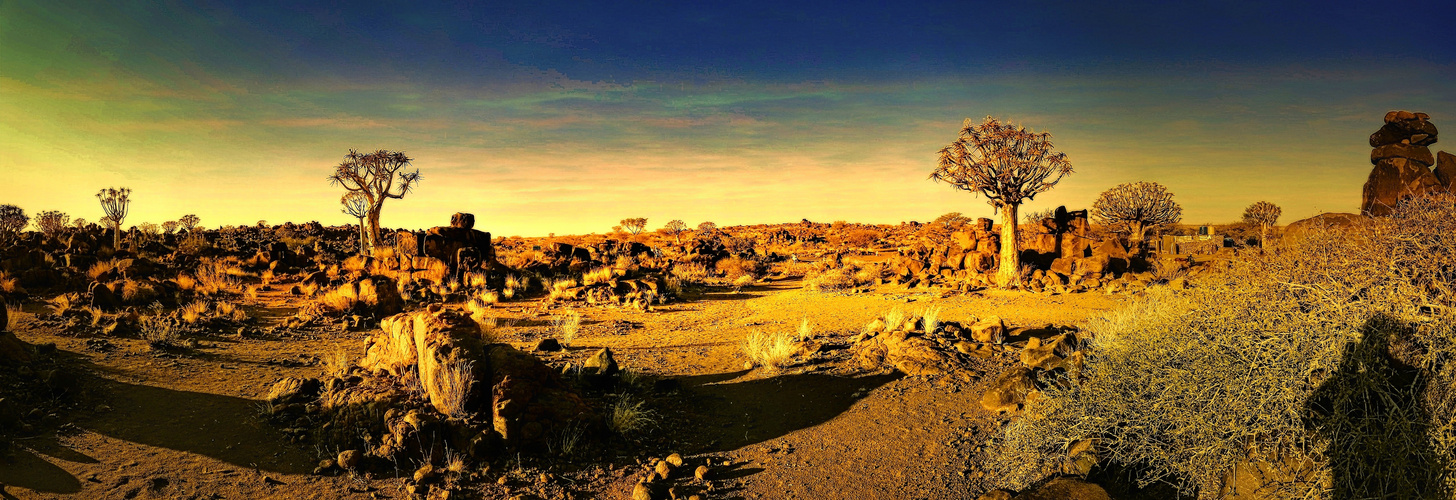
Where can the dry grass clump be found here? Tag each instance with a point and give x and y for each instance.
(63, 303)
(931, 319)
(337, 362)
(690, 272)
(8, 284)
(836, 279)
(598, 275)
(1327, 362)
(194, 312)
(628, 416)
(160, 332)
(770, 350)
(447, 382)
(567, 325)
(559, 287)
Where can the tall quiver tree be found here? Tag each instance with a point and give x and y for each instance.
(116, 203)
(1265, 215)
(356, 205)
(1136, 207)
(1007, 164)
(374, 176)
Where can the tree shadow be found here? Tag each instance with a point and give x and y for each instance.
(26, 469)
(727, 415)
(1372, 412)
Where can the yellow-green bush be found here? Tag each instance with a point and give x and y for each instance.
(1325, 362)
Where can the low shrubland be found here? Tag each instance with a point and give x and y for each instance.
(1319, 370)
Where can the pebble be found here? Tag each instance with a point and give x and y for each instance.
(702, 473)
(675, 460)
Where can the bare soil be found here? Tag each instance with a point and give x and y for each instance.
(188, 423)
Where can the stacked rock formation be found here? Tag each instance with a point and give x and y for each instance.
(1403, 161)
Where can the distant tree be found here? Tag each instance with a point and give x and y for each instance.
(79, 223)
(116, 203)
(675, 228)
(190, 222)
(262, 223)
(1136, 207)
(51, 222)
(1009, 165)
(357, 205)
(634, 226)
(863, 238)
(617, 230)
(942, 227)
(12, 221)
(374, 175)
(707, 228)
(170, 226)
(1264, 215)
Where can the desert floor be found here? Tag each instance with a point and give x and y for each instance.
(188, 425)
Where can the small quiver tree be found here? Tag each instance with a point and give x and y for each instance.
(116, 203)
(1136, 207)
(1264, 215)
(357, 205)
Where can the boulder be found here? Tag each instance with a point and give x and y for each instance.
(601, 363)
(1009, 390)
(990, 330)
(911, 355)
(1446, 170)
(1418, 154)
(462, 220)
(1066, 488)
(1404, 126)
(1393, 180)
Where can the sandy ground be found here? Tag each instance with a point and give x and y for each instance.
(189, 425)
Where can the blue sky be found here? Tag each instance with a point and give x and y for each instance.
(567, 117)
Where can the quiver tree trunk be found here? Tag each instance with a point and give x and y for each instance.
(1009, 274)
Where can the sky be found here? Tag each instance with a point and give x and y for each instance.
(566, 117)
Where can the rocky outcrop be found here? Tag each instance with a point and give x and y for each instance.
(1402, 163)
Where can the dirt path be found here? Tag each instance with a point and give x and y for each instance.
(188, 426)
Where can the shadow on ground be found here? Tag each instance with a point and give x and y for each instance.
(726, 415)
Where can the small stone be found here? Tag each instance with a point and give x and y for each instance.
(675, 460)
(664, 469)
(548, 345)
(425, 473)
(601, 363)
(349, 459)
(702, 473)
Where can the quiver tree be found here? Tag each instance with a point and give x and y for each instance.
(634, 226)
(12, 221)
(1136, 207)
(51, 222)
(189, 222)
(170, 227)
(1263, 214)
(1009, 165)
(675, 228)
(115, 202)
(356, 205)
(374, 176)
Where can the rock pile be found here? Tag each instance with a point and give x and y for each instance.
(1403, 160)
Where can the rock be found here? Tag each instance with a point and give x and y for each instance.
(1009, 391)
(996, 495)
(1393, 180)
(663, 469)
(1418, 130)
(990, 330)
(642, 491)
(1043, 354)
(1446, 170)
(349, 459)
(703, 473)
(549, 344)
(424, 473)
(601, 363)
(1418, 154)
(1299, 228)
(674, 460)
(103, 298)
(1066, 488)
(294, 390)
(462, 220)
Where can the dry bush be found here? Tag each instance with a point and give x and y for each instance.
(1328, 362)
(770, 350)
(159, 332)
(63, 303)
(835, 279)
(806, 330)
(598, 275)
(229, 311)
(136, 292)
(567, 326)
(931, 319)
(488, 326)
(193, 313)
(690, 272)
(736, 267)
(8, 284)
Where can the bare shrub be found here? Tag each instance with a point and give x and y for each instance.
(193, 313)
(690, 272)
(736, 267)
(447, 382)
(159, 332)
(337, 362)
(931, 319)
(1327, 361)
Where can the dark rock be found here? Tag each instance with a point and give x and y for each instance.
(462, 220)
(1393, 180)
(601, 363)
(1066, 488)
(548, 345)
(1418, 154)
(1446, 170)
